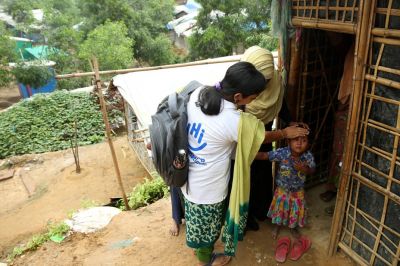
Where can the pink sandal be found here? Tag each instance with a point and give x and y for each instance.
(282, 249)
(300, 246)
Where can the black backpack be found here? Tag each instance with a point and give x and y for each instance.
(169, 137)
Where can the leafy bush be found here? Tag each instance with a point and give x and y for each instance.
(146, 193)
(38, 124)
(35, 76)
(263, 40)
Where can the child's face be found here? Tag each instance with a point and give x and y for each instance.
(299, 145)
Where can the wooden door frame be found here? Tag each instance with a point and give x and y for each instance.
(360, 58)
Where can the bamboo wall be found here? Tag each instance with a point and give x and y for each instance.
(321, 68)
(371, 229)
(136, 139)
(333, 10)
(335, 15)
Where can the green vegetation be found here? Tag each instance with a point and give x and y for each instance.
(7, 54)
(145, 21)
(53, 230)
(225, 26)
(37, 125)
(33, 75)
(147, 192)
(110, 44)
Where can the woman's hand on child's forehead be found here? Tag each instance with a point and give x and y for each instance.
(295, 131)
(300, 124)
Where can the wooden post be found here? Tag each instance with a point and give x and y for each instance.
(293, 77)
(108, 129)
(361, 55)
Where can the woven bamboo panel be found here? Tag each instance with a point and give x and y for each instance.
(320, 73)
(371, 229)
(136, 139)
(328, 10)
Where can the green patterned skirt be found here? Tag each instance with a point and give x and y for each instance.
(203, 223)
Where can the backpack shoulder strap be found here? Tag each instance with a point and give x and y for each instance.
(190, 87)
(184, 92)
(173, 104)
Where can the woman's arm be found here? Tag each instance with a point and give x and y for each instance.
(288, 132)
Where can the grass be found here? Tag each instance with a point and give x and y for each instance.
(57, 230)
(53, 230)
(142, 195)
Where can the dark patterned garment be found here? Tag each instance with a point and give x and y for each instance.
(288, 177)
(203, 223)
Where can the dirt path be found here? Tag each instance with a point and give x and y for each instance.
(46, 188)
(59, 190)
(8, 96)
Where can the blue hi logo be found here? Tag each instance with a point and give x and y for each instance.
(198, 133)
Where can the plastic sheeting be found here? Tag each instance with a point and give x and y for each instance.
(92, 219)
(145, 90)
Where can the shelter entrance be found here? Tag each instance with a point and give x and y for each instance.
(316, 71)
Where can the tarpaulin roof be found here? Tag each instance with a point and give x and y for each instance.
(145, 90)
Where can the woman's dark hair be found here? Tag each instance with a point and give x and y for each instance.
(241, 77)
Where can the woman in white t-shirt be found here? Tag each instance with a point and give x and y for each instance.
(213, 121)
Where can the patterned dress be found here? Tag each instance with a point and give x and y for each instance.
(288, 205)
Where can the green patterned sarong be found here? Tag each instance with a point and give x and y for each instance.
(203, 223)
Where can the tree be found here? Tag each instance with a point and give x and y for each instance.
(208, 44)
(231, 23)
(7, 54)
(110, 44)
(59, 31)
(145, 21)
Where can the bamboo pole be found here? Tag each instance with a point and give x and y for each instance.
(383, 10)
(360, 60)
(108, 130)
(387, 69)
(377, 188)
(129, 70)
(387, 41)
(386, 32)
(331, 8)
(383, 81)
(356, 257)
(293, 78)
(372, 221)
(350, 28)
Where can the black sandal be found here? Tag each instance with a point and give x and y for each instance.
(327, 195)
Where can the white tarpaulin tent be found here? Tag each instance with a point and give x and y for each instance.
(144, 90)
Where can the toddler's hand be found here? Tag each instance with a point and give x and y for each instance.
(302, 167)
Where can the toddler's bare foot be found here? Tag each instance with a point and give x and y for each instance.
(275, 231)
(295, 232)
(174, 230)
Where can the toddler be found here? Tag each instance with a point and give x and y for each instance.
(288, 204)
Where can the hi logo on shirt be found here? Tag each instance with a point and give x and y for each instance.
(198, 133)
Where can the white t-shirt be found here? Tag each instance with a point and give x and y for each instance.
(212, 139)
